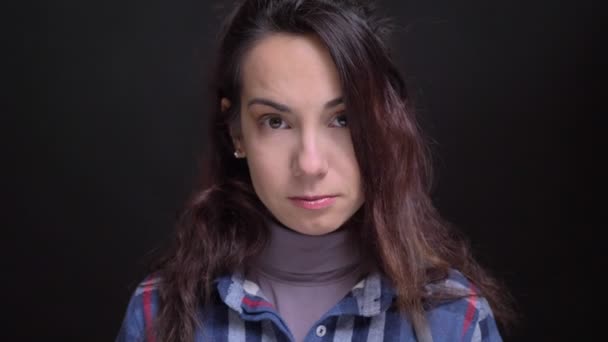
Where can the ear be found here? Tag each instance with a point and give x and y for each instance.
(224, 104)
(234, 128)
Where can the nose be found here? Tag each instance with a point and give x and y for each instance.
(310, 159)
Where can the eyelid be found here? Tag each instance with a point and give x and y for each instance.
(339, 114)
(263, 119)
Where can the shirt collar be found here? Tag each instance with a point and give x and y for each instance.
(370, 297)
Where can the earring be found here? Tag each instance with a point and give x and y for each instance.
(237, 154)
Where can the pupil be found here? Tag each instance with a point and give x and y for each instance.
(275, 122)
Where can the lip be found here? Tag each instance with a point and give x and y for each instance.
(313, 202)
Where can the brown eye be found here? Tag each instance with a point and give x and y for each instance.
(340, 121)
(274, 122)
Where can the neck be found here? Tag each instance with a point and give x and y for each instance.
(297, 258)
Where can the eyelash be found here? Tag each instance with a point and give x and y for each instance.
(266, 119)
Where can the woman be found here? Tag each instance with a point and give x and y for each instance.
(314, 221)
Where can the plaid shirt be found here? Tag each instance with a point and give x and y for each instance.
(240, 313)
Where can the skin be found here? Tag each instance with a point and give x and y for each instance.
(301, 144)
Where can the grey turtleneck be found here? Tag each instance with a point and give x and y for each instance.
(304, 276)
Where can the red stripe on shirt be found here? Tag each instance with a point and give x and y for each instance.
(470, 313)
(147, 298)
(255, 304)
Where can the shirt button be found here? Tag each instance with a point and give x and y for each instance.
(321, 330)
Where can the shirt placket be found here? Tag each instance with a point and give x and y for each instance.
(258, 310)
(336, 325)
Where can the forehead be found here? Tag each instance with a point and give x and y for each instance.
(296, 69)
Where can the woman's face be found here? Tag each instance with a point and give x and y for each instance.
(294, 134)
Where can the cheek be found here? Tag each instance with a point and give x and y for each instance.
(352, 182)
(267, 172)
(354, 177)
(347, 164)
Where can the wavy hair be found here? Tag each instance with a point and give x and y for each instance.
(223, 224)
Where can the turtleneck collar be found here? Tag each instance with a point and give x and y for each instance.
(307, 260)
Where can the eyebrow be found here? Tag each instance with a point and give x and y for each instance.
(284, 108)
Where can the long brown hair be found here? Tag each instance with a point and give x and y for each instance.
(223, 224)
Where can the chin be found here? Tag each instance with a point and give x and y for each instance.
(316, 231)
(315, 227)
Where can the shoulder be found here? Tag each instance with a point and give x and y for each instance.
(469, 316)
(141, 310)
(148, 286)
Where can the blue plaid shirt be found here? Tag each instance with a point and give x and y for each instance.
(240, 313)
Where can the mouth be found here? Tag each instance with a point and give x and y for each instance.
(313, 202)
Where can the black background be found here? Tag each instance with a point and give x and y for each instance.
(104, 123)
